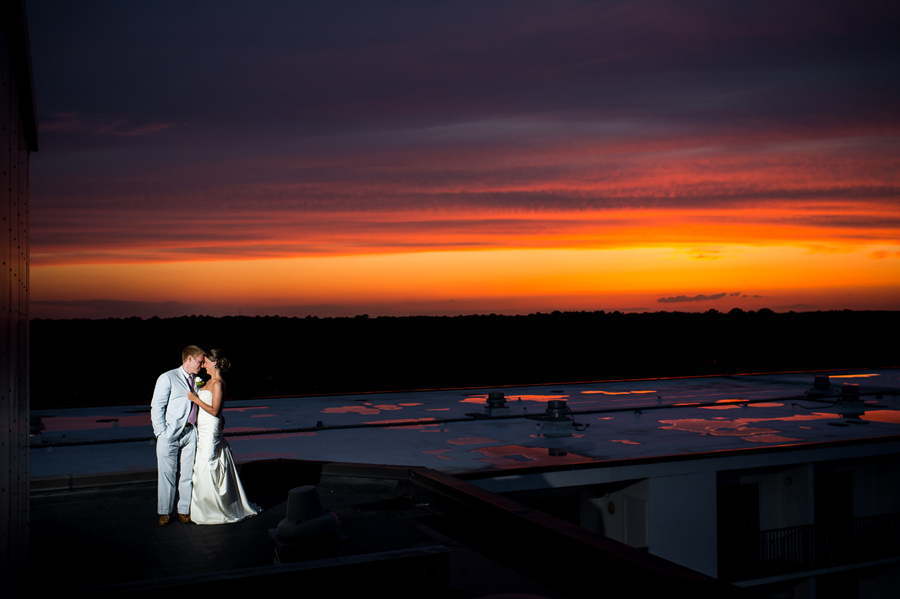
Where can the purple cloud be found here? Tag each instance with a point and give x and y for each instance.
(511, 108)
(694, 298)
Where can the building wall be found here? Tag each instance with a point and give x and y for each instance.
(682, 520)
(673, 517)
(17, 137)
(870, 480)
(785, 496)
(673, 507)
(619, 513)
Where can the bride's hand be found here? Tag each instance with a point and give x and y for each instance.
(193, 397)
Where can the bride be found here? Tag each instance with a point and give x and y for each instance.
(218, 496)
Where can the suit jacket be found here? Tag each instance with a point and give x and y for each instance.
(170, 406)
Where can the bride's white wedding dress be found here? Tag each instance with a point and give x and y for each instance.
(218, 496)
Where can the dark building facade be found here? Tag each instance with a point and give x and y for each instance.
(19, 137)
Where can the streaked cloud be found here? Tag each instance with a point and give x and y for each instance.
(680, 299)
(230, 131)
(74, 123)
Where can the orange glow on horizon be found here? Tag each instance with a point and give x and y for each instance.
(281, 236)
(564, 222)
(604, 279)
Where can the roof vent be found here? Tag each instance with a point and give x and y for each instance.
(557, 420)
(821, 386)
(496, 404)
(557, 410)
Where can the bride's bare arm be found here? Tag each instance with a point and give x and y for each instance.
(193, 397)
(218, 395)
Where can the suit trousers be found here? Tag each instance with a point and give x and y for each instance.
(175, 460)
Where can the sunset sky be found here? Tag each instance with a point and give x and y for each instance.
(391, 158)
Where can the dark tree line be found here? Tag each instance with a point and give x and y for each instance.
(116, 361)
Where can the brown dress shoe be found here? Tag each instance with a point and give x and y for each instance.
(164, 519)
(184, 518)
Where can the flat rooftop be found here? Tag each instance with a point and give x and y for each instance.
(390, 466)
(447, 431)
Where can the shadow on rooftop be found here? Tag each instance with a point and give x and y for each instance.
(407, 532)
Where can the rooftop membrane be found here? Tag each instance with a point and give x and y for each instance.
(450, 431)
(381, 464)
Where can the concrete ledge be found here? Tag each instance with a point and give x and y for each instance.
(69, 482)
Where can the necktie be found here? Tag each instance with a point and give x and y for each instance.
(192, 417)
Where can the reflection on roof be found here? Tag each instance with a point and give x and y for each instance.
(444, 429)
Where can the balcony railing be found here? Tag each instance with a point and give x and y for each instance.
(816, 546)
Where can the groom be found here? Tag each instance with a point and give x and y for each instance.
(174, 420)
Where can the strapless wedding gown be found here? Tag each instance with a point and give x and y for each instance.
(218, 496)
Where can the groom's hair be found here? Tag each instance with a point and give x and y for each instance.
(191, 350)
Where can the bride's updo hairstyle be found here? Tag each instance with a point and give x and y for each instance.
(218, 356)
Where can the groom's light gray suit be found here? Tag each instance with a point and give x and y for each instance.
(176, 440)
